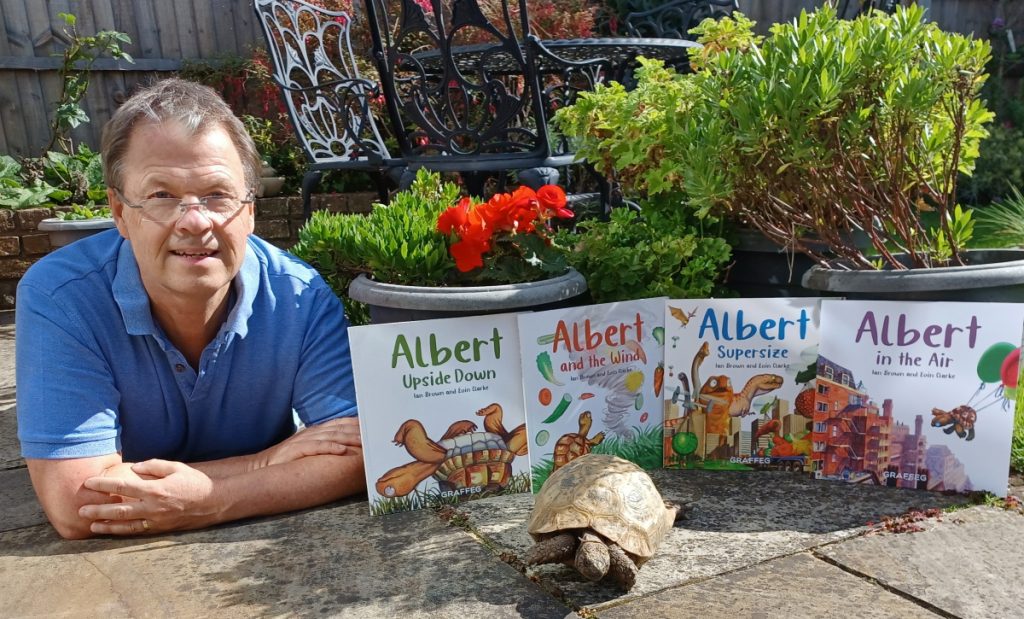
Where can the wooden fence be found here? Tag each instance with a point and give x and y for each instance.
(164, 32)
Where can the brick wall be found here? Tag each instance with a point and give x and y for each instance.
(277, 220)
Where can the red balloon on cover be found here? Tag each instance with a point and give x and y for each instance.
(1009, 373)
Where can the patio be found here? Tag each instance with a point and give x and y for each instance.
(755, 545)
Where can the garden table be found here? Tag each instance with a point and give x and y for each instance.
(614, 57)
(482, 109)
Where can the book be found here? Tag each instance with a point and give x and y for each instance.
(592, 380)
(440, 411)
(917, 394)
(739, 383)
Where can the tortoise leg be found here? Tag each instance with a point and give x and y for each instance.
(459, 428)
(517, 440)
(401, 480)
(552, 550)
(621, 569)
(492, 415)
(592, 558)
(413, 437)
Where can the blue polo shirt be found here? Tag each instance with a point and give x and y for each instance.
(96, 374)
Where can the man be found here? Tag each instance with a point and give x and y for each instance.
(158, 370)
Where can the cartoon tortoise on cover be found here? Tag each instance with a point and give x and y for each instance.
(575, 444)
(960, 420)
(462, 458)
(602, 515)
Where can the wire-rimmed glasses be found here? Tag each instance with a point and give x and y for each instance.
(163, 210)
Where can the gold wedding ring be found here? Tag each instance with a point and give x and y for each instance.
(145, 524)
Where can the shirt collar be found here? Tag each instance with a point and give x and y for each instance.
(130, 295)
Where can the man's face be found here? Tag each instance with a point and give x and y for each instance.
(194, 257)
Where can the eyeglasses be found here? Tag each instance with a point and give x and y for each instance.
(162, 210)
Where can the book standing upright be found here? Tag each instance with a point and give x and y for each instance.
(440, 410)
(917, 394)
(739, 384)
(592, 380)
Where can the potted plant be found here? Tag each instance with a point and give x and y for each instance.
(674, 248)
(78, 222)
(842, 140)
(70, 184)
(429, 254)
(662, 251)
(77, 181)
(832, 130)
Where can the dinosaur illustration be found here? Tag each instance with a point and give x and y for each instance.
(722, 402)
(717, 398)
(758, 385)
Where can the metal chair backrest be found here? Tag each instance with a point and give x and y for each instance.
(673, 20)
(328, 102)
(461, 84)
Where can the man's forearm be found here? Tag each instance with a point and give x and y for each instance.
(226, 467)
(298, 484)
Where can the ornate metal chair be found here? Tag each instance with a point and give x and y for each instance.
(327, 100)
(654, 18)
(463, 88)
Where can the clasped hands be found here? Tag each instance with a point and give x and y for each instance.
(156, 496)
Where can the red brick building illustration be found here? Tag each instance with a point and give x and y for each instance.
(851, 436)
(855, 440)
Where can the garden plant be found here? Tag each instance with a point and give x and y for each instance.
(824, 129)
(428, 236)
(69, 176)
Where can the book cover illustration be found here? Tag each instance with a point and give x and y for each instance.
(440, 411)
(917, 395)
(592, 380)
(739, 380)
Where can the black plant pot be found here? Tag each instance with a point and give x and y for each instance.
(989, 275)
(396, 303)
(761, 268)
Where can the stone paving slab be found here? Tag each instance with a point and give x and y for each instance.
(971, 563)
(10, 450)
(794, 587)
(336, 561)
(739, 519)
(18, 505)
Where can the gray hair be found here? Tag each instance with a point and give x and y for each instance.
(195, 107)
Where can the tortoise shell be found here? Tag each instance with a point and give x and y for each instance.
(475, 459)
(569, 447)
(611, 496)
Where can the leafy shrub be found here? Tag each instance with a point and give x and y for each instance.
(79, 176)
(664, 253)
(15, 192)
(80, 212)
(76, 65)
(397, 243)
(828, 126)
(55, 179)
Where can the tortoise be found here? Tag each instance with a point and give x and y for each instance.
(575, 444)
(462, 458)
(602, 515)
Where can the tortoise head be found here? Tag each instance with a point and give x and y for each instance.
(585, 422)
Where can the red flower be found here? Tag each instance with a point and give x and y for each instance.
(551, 196)
(454, 218)
(469, 253)
(523, 211)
